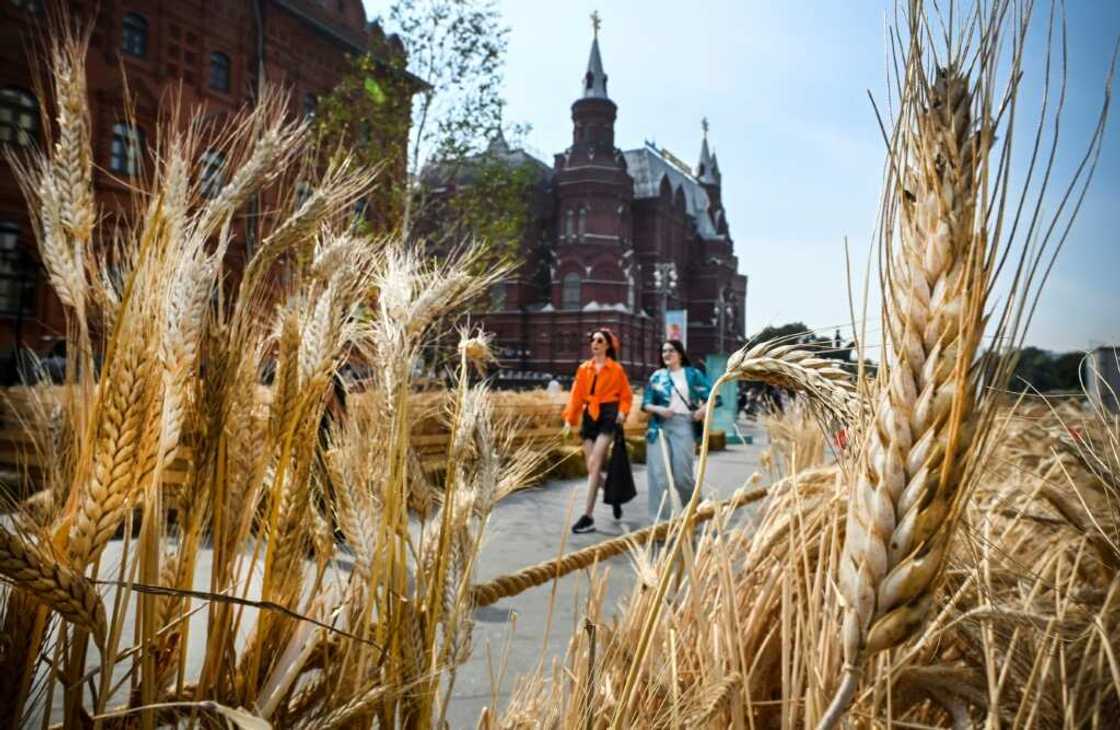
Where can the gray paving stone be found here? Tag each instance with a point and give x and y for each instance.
(529, 527)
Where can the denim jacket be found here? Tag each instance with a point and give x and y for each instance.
(659, 390)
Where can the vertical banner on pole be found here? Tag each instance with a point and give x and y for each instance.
(676, 325)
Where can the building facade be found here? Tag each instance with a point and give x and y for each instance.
(211, 53)
(617, 238)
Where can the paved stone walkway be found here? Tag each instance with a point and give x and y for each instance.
(529, 527)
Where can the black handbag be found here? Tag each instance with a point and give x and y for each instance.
(619, 487)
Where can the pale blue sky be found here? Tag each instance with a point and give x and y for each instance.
(784, 86)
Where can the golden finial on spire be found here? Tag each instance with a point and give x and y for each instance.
(596, 21)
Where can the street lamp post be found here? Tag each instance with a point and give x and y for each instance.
(664, 283)
(723, 312)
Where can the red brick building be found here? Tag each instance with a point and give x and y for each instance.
(616, 238)
(213, 50)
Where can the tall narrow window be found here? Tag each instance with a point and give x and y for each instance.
(219, 71)
(19, 116)
(124, 156)
(582, 222)
(570, 292)
(569, 223)
(134, 35)
(310, 104)
(11, 272)
(213, 173)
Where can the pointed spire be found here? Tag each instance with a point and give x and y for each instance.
(706, 169)
(595, 80)
(498, 144)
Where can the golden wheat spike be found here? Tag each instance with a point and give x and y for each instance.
(72, 596)
(903, 503)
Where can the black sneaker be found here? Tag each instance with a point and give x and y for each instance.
(617, 510)
(584, 524)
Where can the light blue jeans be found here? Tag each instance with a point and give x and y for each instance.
(676, 432)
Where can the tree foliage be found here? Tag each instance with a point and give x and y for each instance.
(457, 48)
(367, 115)
(1047, 372)
(797, 332)
(492, 204)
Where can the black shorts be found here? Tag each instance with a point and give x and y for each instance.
(590, 428)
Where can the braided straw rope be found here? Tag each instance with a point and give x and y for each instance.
(485, 594)
(786, 366)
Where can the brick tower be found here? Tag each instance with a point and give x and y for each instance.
(594, 249)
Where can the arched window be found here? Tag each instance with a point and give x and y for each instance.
(12, 273)
(134, 35)
(570, 292)
(19, 116)
(219, 71)
(569, 223)
(582, 222)
(213, 173)
(124, 156)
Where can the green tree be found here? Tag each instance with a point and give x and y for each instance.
(492, 205)
(791, 332)
(368, 115)
(457, 49)
(1043, 371)
(1067, 371)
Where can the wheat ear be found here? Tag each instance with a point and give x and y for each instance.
(112, 484)
(63, 590)
(912, 477)
(788, 366)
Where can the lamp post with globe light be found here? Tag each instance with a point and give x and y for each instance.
(724, 311)
(665, 284)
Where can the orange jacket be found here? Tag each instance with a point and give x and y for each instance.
(612, 386)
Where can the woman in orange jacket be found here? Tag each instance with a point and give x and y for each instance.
(598, 404)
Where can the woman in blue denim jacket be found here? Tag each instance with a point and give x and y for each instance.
(674, 398)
